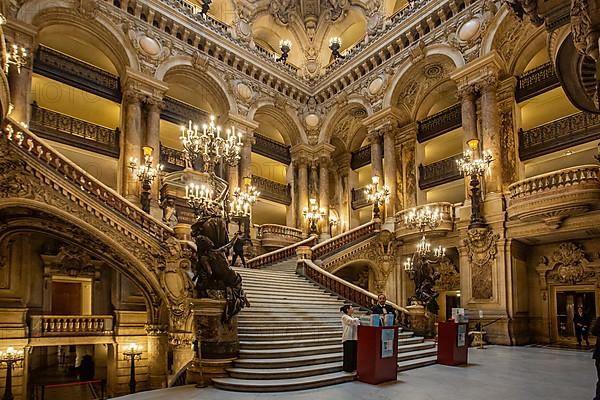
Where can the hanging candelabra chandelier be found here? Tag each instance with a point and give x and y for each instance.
(15, 55)
(242, 201)
(377, 196)
(210, 145)
(423, 218)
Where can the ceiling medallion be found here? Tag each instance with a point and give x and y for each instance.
(359, 113)
(433, 70)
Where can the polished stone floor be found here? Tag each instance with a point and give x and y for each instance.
(495, 373)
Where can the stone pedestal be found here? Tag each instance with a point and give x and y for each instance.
(421, 321)
(219, 342)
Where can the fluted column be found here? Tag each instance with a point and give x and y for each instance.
(153, 108)
(132, 142)
(491, 132)
(376, 153)
(324, 193)
(389, 148)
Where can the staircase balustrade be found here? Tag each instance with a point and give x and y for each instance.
(279, 254)
(347, 290)
(68, 325)
(32, 146)
(337, 243)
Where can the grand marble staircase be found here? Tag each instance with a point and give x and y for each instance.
(290, 335)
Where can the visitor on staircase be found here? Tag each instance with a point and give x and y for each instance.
(349, 337)
(382, 308)
(238, 249)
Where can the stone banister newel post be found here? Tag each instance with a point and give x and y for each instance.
(22, 35)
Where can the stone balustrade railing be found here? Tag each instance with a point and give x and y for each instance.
(281, 230)
(554, 180)
(273, 191)
(31, 146)
(446, 224)
(344, 289)
(71, 325)
(337, 243)
(280, 254)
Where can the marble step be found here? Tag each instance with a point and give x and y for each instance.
(289, 335)
(405, 348)
(306, 312)
(411, 355)
(280, 324)
(268, 296)
(286, 362)
(266, 273)
(284, 373)
(293, 287)
(282, 385)
(284, 291)
(286, 344)
(416, 363)
(283, 302)
(291, 352)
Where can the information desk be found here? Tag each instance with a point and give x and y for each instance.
(377, 359)
(453, 343)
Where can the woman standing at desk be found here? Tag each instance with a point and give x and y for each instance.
(349, 337)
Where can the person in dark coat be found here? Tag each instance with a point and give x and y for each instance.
(382, 308)
(238, 249)
(582, 326)
(86, 369)
(596, 355)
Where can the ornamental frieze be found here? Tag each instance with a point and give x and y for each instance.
(481, 254)
(568, 264)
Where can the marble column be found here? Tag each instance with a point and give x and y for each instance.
(313, 180)
(302, 190)
(132, 142)
(376, 154)
(290, 216)
(389, 148)
(354, 220)
(245, 164)
(467, 95)
(232, 176)
(344, 191)
(158, 346)
(491, 132)
(324, 194)
(153, 107)
(409, 173)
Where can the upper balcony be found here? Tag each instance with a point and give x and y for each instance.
(555, 196)
(69, 326)
(359, 198)
(446, 225)
(536, 81)
(361, 157)
(273, 236)
(273, 191)
(439, 172)
(439, 123)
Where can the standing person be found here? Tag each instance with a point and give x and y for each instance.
(582, 327)
(382, 308)
(349, 337)
(596, 355)
(238, 249)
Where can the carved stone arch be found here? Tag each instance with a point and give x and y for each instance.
(294, 134)
(26, 215)
(371, 266)
(336, 113)
(492, 30)
(445, 91)
(197, 72)
(556, 39)
(95, 29)
(524, 54)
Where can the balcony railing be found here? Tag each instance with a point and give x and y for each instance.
(337, 243)
(71, 325)
(280, 254)
(74, 132)
(171, 159)
(361, 157)
(180, 113)
(554, 196)
(446, 224)
(272, 149)
(277, 236)
(73, 72)
(273, 191)
(559, 135)
(439, 123)
(439, 172)
(359, 198)
(536, 81)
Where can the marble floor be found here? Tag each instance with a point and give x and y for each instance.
(495, 373)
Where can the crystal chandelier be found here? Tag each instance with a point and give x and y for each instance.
(199, 198)
(17, 56)
(210, 145)
(313, 215)
(377, 196)
(242, 201)
(422, 218)
(145, 173)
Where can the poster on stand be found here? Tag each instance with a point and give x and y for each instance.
(387, 343)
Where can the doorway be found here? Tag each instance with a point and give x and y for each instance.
(567, 302)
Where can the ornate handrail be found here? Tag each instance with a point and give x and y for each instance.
(273, 191)
(359, 198)
(439, 123)
(361, 157)
(279, 230)
(73, 131)
(346, 290)
(71, 325)
(333, 245)
(171, 159)
(559, 134)
(32, 146)
(272, 149)
(279, 254)
(69, 70)
(536, 81)
(439, 172)
(554, 180)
